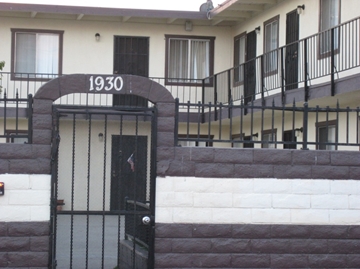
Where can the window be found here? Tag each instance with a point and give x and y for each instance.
(239, 57)
(36, 53)
(329, 17)
(198, 141)
(188, 59)
(268, 137)
(243, 138)
(271, 43)
(326, 133)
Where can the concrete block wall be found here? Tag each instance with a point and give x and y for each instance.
(24, 221)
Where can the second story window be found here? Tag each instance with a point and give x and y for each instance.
(36, 54)
(188, 59)
(271, 43)
(239, 57)
(329, 18)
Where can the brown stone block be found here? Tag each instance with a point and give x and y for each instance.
(41, 151)
(272, 156)
(292, 171)
(232, 155)
(327, 261)
(166, 124)
(42, 121)
(41, 136)
(353, 261)
(250, 260)
(162, 168)
(270, 245)
(3, 228)
(16, 151)
(183, 153)
(34, 166)
(159, 94)
(165, 139)
(311, 157)
(354, 173)
(3, 259)
(166, 109)
(330, 172)
(181, 168)
(42, 106)
(344, 246)
(288, 261)
(309, 246)
(214, 170)
(354, 232)
(291, 231)
(39, 244)
(253, 171)
(13, 244)
(4, 166)
(165, 153)
(28, 259)
(173, 230)
(348, 158)
(212, 230)
(328, 231)
(251, 231)
(203, 155)
(163, 245)
(28, 228)
(191, 245)
(229, 245)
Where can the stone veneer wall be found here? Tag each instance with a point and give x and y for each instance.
(257, 208)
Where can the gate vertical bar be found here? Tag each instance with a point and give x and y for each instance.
(88, 194)
(151, 252)
(72, 192)
(104, 188)
(119, 196)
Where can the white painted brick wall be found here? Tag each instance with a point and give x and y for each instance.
(27, 198)
(264, 201)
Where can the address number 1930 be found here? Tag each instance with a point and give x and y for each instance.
(100, 83)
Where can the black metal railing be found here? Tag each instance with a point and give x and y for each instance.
(17, 121)
(315, 59)
(249, 125)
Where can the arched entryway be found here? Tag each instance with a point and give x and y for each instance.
(103, 172)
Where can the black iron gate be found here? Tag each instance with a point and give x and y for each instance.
(103, 188)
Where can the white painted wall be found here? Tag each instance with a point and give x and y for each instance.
(26, 198)
(257, 201)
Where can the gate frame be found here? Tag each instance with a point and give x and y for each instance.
(84, 110)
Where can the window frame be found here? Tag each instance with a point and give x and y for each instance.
(326, 124)
(237, 65)
(14, 31)
(207, 143)
(242, 137)
(321, 54)
(275, 70)
(211, 40)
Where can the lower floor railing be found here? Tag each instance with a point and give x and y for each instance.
(253, 126)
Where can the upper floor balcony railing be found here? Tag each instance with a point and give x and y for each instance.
(325, 56)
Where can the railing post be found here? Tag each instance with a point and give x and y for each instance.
(176, 127)
(203, 102)
(229, 91)
(332, 62)
(30, 118)
(305, 126)
(262, 80)
(306, 86)
(215, 97)
(282, 75)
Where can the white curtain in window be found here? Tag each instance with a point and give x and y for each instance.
(25, 53)
(329, 18)
(271, 43)
(178, 59)
(47, 53)
(199, 63)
